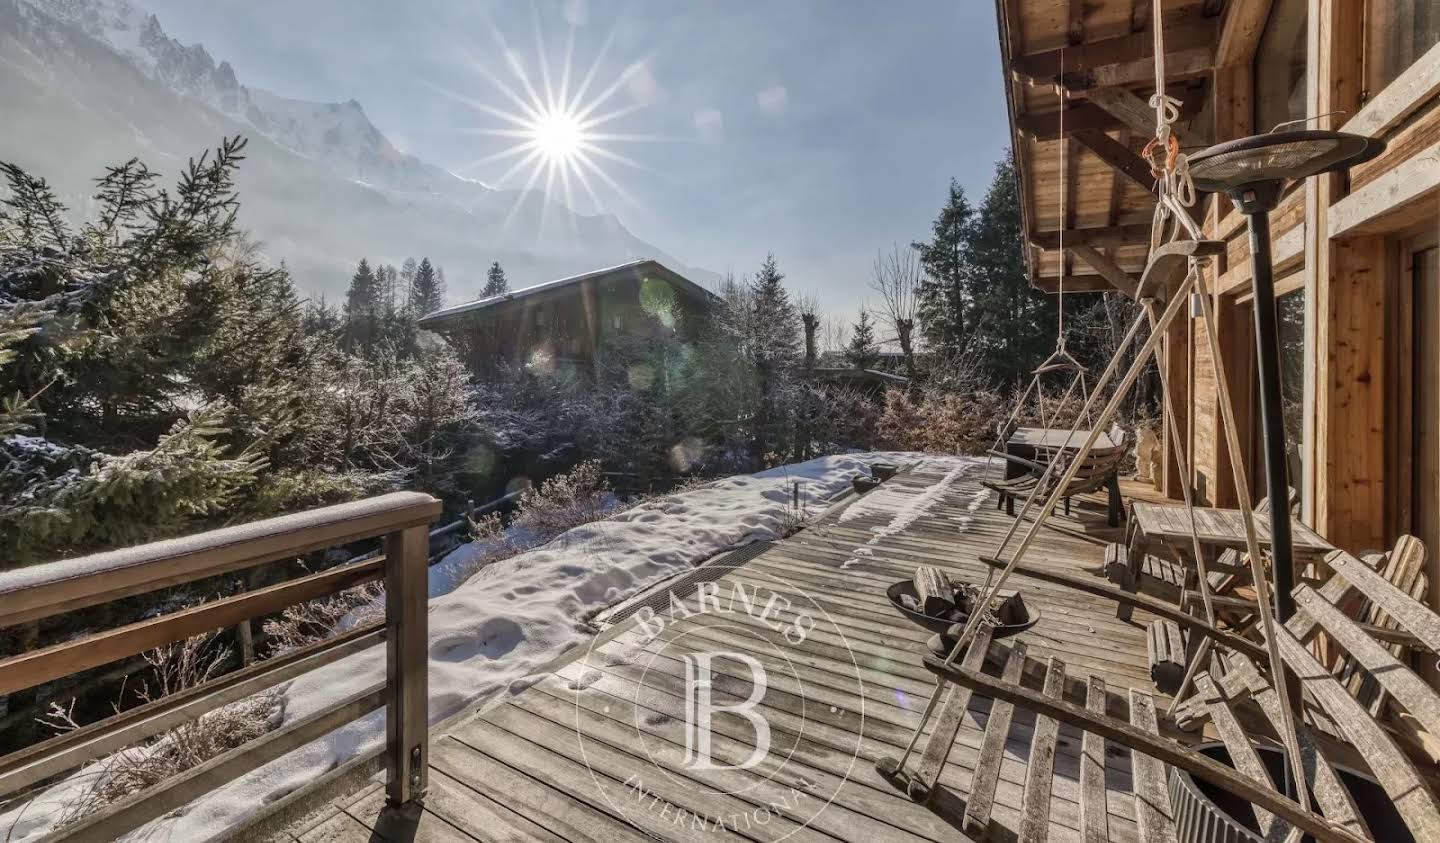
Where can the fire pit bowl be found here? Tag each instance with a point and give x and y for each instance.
(1015, 616)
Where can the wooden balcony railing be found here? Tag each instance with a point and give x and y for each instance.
(32, 594)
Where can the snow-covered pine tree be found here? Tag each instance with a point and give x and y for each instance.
(362, 318)
(495, 283)
(863, 352)
(427, 294)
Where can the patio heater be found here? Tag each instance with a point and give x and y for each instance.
(1251, 172)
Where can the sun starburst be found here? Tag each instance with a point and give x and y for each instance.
(556, 130)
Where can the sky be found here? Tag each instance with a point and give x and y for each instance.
(817, 130)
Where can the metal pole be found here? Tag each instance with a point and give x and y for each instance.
(1267, 358)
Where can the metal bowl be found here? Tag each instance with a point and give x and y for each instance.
(938, 624)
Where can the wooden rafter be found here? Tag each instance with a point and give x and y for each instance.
(1117, 188)
(1111, 55)
(1045, 125)
(1110, 235)
(1117, 155)
(1135, 114)
(1240, 32)
(1118, 278)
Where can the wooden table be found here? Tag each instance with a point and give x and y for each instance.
(1025, 441)
(1164, 530)
(1168, 526)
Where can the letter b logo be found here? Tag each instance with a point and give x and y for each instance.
(700, 708)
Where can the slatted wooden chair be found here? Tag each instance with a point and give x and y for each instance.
(1385, 747)
(1386, 750)
(1403, 567)
(1099, 470)
(1141, 733)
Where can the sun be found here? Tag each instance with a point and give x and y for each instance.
(555, 125)
(559, 135)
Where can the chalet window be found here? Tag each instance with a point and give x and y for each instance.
(1280, 66)
(1397, 33)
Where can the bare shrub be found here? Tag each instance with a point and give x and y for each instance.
(316, 620)
(567, 500)
(942, 422)
(175, 668)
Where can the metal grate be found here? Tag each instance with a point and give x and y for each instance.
(658, 596)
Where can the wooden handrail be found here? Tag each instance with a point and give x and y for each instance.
(39, 591)
(30, 594)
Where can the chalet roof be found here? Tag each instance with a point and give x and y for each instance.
(1106, 82)
(645, 266)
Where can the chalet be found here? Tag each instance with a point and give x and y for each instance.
(1356, 273)
(561, 324)
(1196, 703)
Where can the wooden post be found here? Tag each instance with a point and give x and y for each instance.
(407, 665)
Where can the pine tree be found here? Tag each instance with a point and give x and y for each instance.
(863, 352)
(495, 283)
(946, 291)
(427, 294)
(362, 311)
(773, 347)
(1012, 323)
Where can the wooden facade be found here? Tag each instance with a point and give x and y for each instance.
(560, 326)
(1355, 256)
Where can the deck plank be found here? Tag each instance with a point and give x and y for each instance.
(562, 757)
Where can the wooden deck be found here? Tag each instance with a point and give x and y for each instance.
(596, 750)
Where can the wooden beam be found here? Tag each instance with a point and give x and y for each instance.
(1117, 186)
(40, 591)
(1182, 64)
(1073, 284)
(1126, 49)
(1081, 115)
(1412, 89)
(1110, 235)
(68, 750)
(1137, 115)
(29, 669)
(1240, 32)
(1118, 278)
(1392, 200)
(1117, 155)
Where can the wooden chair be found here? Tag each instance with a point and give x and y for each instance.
(1339, 698)
(1370, 743)
(1099, 470)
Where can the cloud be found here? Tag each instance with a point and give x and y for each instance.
(773, 99)
(710, 124)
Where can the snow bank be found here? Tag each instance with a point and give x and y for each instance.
(510, 619)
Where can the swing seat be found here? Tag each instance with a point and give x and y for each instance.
(1169, 263)
(1099, 470)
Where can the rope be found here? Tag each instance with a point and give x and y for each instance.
(1278, 675)
(1064, 195)
(993, 583)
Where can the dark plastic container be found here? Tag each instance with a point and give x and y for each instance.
(1206, 814)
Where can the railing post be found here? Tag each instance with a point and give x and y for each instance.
(407, 664)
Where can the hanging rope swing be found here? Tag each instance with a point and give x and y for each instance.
(1061, 361)
(1174, 236)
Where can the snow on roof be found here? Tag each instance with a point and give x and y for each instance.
(447, 313)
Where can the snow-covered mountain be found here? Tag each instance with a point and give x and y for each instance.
(93, 82)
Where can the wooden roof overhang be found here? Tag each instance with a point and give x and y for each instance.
(1107, 80)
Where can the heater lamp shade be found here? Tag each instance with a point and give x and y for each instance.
(1278, 156)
